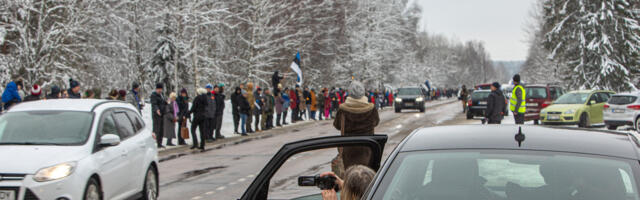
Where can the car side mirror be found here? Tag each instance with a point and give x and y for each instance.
(109, 140)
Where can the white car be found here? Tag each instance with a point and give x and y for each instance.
(76, 149)
(621, 110)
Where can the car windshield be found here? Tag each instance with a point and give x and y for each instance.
(507, 175)
(480, 95)
(536, 93)
(572, 98)
(45, 128)
(409, 91)
(622, 100)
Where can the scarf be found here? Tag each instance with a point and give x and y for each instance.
(175, 109)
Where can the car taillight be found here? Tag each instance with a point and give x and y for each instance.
(545, 104)
(470, 102)
(606, 105)
(634, 107)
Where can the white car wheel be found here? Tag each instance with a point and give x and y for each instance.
(92, 192)
(151, 185)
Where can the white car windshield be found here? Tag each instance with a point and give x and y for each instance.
(409, 91)
(45, 128)
(572, 98)
(505, 175)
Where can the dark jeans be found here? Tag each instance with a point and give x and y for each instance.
(248, 122)
(243, 118)
(294, 114)
(218, 125)
(284, 117)
(211, 127)
(278, 117)
(180, 139)
(157, 128)
(320, 113)
(201, 125)
(257, 121)
(269, 120)
(236, 120)
(519, 118)
(494, 121)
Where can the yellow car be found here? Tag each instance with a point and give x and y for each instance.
(583, 107)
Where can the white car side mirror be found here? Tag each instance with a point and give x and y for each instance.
(109, 140)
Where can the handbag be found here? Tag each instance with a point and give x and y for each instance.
(184, 131)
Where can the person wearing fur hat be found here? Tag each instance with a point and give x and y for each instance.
(36, 90)
(74, 89)
(199, 111)
(356, 116)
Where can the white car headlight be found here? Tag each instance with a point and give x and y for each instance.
(570, 111)
(55, 172)
(419, 99)
(398, 99)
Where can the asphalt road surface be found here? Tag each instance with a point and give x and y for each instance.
(226, 172)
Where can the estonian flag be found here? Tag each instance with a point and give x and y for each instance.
(295, 66)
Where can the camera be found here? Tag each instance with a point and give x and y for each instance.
(322, 182)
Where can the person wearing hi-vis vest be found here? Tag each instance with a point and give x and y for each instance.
(517, 101)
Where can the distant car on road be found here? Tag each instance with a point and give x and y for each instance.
(76, 149)
(484, 162)
(484, 86)
(477, 105)
(623, 109)
(583, 107)
(409, 98)
(539, 97)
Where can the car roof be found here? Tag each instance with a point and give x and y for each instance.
(537, 138)
(85, 105)
(540, 85)
(588, 91)
(637, 93)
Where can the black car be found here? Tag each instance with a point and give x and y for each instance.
(477, 103)
(409, 98)
(488, 162)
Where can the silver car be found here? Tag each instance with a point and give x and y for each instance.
(622, 110)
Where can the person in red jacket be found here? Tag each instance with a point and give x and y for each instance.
(391, 99)
(294, 106)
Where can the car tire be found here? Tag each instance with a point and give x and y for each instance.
(536, 122)
(398, 110)
(612, 127)
(638, 124)
(422, 110)
(469, 115)
(584, 121)
(93, 191)
(150, 187)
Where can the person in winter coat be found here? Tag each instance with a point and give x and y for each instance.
(122, 94)
(496, 105)
(251, 99)
(183, 114)
(463, 96)
(295, 112)
(219, 96)
(35, 93)
(170, 117)
(356, 117)
(158, 104)
(275, 81)
(267, 111)
(235, 108)
(313, 108)
(199, 111)
(302, 103)
(308, 102)
(285, 105)
(10, 96)
(134, 97)
(89, 94)
(320, 104)
(55, 93)
(257, 111)
(327, 104)
(113, 95)
(244, 110)
(279, 102)
(211, 114)
(74, 89)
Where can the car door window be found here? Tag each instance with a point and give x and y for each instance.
(124, 124)
(138, 124)
(604, 97)
(108, 125)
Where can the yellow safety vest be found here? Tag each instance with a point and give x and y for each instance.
(514, 100)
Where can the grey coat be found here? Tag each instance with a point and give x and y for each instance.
(169, 126)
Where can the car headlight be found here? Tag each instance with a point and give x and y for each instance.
(55, 172)
(419, 99)
(398, 99)
(570, 111)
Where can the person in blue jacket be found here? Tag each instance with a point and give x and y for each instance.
(10, 96)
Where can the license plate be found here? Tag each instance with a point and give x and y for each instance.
(482, 103)
(617, 110)
(532, 104)
(553, 117)
(7, 195)
(408, 104)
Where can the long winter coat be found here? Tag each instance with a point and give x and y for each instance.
(169, 121)
(183, 105)
(312, 96)
(320, 101)
(360, 118)
(235, 100)
(219, 103)
(279, 104)
(133, 98)
(269, 104)
(496, 106)
(258, 104)
(243, 105)
(294, 99)
(199, 107)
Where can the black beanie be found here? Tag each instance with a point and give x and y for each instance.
(496, 84)
(135, 85)
(516, 78)
(159, 86)
(73, 83)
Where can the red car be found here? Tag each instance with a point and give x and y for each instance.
(539, 97)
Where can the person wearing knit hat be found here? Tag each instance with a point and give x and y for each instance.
(517, 100)
(55, 93)
(496, 105)
(36, 90)
(74, 89)
(356, 116)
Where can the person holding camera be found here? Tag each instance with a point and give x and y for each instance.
(357, 179)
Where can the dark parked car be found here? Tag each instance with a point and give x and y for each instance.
(488, 162)
(409, 98)
(539, 97)
(477, 103)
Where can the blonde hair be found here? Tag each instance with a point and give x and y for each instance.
(356, 182)
(201, 91)
(249, 86)
(173, 95)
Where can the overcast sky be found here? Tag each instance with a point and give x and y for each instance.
(499, 23)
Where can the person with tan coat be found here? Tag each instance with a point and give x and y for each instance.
(313, 108)
(251, 99)
(356, 116)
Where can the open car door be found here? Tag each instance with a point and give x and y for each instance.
(259, 188)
